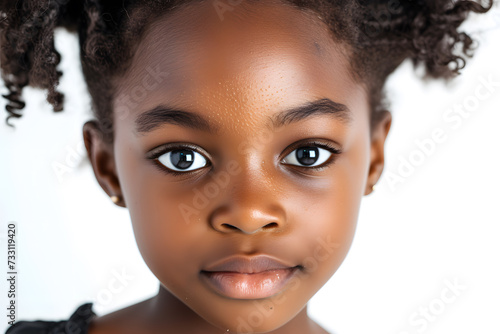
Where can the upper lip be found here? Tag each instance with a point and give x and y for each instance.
(248, 265)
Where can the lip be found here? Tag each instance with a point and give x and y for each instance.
(243, 277)
(249, 265)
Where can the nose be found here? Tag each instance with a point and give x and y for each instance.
(245, 220)
(251, 205)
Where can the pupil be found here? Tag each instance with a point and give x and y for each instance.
(308, 155)
(182, 158)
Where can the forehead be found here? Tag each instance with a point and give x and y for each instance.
(252, 59)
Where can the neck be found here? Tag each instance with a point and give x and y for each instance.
(168, 313)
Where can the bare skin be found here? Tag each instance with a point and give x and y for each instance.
(238, 73)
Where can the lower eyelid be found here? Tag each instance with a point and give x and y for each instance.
(319, 168)
(162, 168)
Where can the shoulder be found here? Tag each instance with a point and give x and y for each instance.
(132, 319)
(77, 323)
(317, 329)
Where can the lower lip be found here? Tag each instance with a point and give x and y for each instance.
(249, 286)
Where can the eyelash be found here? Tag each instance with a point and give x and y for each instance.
(159, 151)
(324, 145)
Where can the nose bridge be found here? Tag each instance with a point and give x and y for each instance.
(252, 185)
(255, 167)
(251, 203)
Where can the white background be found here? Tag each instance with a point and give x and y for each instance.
(441, 224)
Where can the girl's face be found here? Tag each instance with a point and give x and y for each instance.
(258, 176)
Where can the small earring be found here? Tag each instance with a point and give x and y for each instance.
(115, 199)
(373, 188)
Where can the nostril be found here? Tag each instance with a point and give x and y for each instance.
(271, 225)
(231, 227)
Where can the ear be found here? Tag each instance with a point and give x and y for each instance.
(377, 159)
(101, 156)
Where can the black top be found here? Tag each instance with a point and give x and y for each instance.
(78, 323)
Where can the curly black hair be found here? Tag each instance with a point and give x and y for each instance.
(380, 35)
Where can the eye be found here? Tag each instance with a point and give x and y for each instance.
(182, 160)
(178, 160)
(311, 155)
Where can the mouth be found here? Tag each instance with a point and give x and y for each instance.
(249, 278)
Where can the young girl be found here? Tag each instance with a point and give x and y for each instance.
(241, 136)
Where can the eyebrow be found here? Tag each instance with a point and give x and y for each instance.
(161, 115)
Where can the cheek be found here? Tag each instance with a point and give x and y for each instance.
(166, 242)
(328, 213)
(154, 205)
(326, 222)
